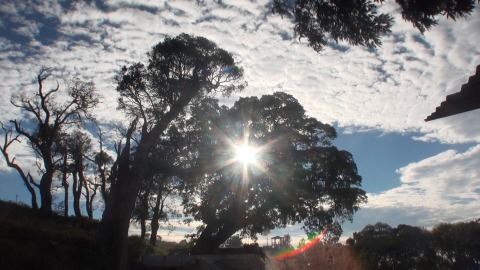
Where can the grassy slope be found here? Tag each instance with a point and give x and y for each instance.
(29, 241)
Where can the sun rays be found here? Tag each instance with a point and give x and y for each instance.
(246, 154)
(243, 155)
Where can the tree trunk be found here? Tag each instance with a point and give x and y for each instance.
(143, 215)
(155, 217)
(114, 226)
(46, 180)
(214, 235)
(27, 181)
(34, 197)
(77, 191)
(121, 199)
(144, 209)
(211, 238)
(89, 199)
(120, 204)
(143, 228)
(45, 193)
(65, 184)
(103, 186)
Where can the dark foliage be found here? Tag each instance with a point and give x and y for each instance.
(235, 241)
(447, 246)
(298, 177)
(423, 13)
(358, 22)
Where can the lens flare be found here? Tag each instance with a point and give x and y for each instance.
(313, 240)
(245, 154)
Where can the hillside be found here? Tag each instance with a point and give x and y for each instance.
(29, 241)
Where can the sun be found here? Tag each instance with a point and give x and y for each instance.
(245, 154)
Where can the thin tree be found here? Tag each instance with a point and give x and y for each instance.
(102, 162)
(63, 171)
(79, 146)
(91, 186)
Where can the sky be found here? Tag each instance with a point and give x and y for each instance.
(414, 172)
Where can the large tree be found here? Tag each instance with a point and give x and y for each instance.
(180, 70)
(295, 175)
(358, 22)
(45, 118)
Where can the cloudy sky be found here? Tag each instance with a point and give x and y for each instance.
(415, 172)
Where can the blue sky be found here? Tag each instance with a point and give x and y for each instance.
(379, 155)
(414, 172)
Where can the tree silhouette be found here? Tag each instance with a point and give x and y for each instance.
(152, 205)
(235, 241)
(446, 246)
(180, 70)
(159, 186)
(79, 145)
(103, 162)
(298, 176)
(77, 158)
(45, 120)
(458, 245)
(358, 22)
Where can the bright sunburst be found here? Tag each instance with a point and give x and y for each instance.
(245, 154)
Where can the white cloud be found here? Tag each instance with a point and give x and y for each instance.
(442, 188)
(391, 89)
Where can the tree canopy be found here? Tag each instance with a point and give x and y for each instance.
(446, 246)
(297, 175)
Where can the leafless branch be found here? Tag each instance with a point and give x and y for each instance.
(27, 179)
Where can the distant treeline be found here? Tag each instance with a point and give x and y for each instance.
(446, 246)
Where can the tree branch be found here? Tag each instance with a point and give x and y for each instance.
(27, 179)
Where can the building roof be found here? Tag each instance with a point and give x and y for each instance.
(466, 100)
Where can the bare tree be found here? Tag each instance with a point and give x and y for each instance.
(91, 187)
(102, 161)
(27, 179)
(45, 119)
